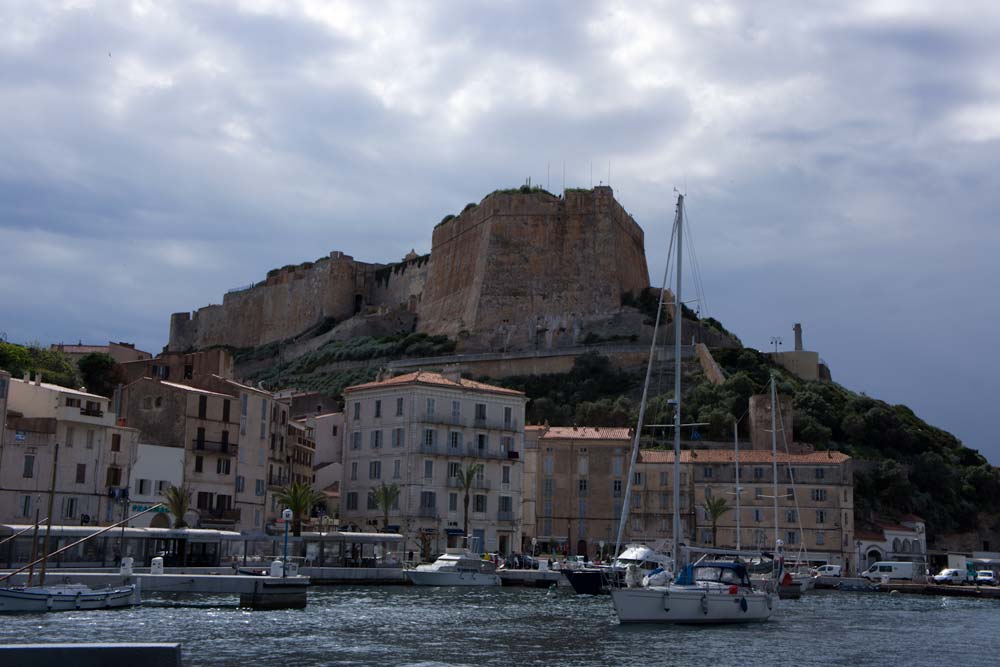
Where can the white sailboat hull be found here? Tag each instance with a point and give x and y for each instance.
(65, 598)
(424, 578)
(690, 605)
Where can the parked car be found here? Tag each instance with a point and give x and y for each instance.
(890, 569)
(950, 575)
(986, 578)
(828, 571)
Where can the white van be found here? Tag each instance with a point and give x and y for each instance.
(890, 569)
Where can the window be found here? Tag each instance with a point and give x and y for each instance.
(758, 515)
(706, 535)
(200, 438)
(664, 478)
(398, 437)
(820, 516)
(583, 465)
(505, 474)
(480, 411)
(454, 468)
(547, 510)
(198, 462)
(508, 418)
(161, 486)
(240, 483)
(29, 466)
(354, 470)
(81, 473)
(395, 469)
(72, 402)
(636, 523)
(430, 407)
(356, 440)
(428, 469)
(452, 502)
(69, 508)
(637, 479)
(505, 505)
(706, 472)
(506, 444)
(758, 493)
(202, 407)
(225, 410)
(581, 486)
(428, 500)
(479, 503)
(70, 436)
(114, 477)
(792, 537)
(90, 438)
(636, 500)
(616, 488)
(147, 402)
(616, 465)
(399, 407)
(144, 485)
(25, 501)
(664, 500)
(429, 436)
(372, 505)
(116, 442)
(548, 486)
(376, 440)
(819, 495)
(708, 493)
(819, 473)
(243, 414)
(758, 473)
(222, 466)
(357, 410)
(375, 470)
(550, 465)
(455, 440)
(482, 443)
(790, 516)
(378, 408)
(820, 537)
(352, 498)
(456, 409)
(259, 488)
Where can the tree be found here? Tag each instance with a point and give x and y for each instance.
(100, 373)
(466, 478)
(300, 498)
(715, 508)
(385, 497)
(178, 500)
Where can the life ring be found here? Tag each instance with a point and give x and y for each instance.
(743, 604)
(704, 604)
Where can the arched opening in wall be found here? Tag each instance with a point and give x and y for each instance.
(160, 520)
(581, 548)
(359, 301)
(873, 556)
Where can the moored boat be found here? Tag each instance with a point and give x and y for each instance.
(601, 579)
(456, 567)
(66, 597)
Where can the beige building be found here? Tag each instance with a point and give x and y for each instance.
(418, 431)
(120, 352)
(578, 476)
(301, 445)
(94, 458)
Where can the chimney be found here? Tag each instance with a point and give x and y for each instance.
(798, 336)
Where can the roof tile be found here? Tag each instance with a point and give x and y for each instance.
(435, 379)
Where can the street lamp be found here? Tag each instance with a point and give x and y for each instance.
(776, 342)
(286, 514)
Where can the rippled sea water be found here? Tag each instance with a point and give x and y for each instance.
(397, 625)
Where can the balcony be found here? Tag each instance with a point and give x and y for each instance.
(433, 448)
(215, 447)
(495, 424)
(446, 420)
(428, 512)
(487, 453)
(505, 515)
(481, 484)
(91, 412)
(219, 516)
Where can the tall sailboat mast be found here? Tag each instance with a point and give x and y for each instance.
(736, 446)
(774, 457)
(677, 387)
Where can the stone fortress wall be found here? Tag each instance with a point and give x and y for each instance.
(518, 271)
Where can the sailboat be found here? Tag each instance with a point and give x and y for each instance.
(708, 591)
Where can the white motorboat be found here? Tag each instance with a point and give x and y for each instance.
(707, 593)
(600, 579)
(456, 567)
(704, 593)
(66, 597)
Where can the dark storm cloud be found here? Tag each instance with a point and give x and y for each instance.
(840, 162)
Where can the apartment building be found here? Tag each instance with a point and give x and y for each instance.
(301, 445)
(120, 352)
(52, 429)
(580, 477)
(418, 431)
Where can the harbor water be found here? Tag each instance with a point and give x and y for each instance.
(397, 625)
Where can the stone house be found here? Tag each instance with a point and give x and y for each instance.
(418, 431)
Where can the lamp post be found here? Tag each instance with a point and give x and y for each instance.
(286, 514)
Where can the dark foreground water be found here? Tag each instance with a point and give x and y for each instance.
(513, 626)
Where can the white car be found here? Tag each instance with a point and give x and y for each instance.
(949, 575)
(828, 571)
(986, 578)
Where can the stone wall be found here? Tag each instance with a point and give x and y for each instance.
(529, 270)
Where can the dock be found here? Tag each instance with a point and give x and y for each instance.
(255, 592)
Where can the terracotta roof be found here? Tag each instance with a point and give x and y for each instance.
(186, 387)
(868, 535)
(895, 527)
(587, 433)
(435, 380)
(752, 456)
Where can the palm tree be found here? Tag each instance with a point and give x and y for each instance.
(300, 498)
(466, 478)
(715, 508)
(177, 500)
(384, 497)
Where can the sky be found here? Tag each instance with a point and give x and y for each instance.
(840, 160)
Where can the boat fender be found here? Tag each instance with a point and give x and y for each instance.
(704, 604)
(770, 605)
(666, 600)
(734, 589)
(743, 604)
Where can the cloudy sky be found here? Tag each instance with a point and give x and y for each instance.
(841, 163)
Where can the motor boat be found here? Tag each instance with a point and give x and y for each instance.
(601, 579)
(456, 567)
